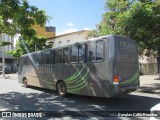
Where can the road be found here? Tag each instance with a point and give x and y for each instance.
(13, 96)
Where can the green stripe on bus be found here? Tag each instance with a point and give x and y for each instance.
(82, 78)
(134, 78)
(76, 90)
(75, 75)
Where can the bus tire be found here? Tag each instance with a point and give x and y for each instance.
(25, 83)
(61, 89)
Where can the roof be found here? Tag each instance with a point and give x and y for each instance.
(6, 56)
(69, 34)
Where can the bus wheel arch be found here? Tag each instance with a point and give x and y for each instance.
(25, 82)
(61, 88)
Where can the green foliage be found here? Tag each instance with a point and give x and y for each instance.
(137, 20)
(141, 23)
(17, 16)
(29, 45)
(109, 19)
(92, 33)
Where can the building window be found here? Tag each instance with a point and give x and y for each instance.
(67, 41)
(59, 43)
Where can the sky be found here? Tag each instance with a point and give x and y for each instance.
(71, 15)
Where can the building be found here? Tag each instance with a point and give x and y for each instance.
(69, 38)
(7, 38)
(10, 63)
(47, 31)
(148, 63)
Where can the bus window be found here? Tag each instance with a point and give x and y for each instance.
(48, 57)
(52, 55)
(59, 57)
(92, 51)
(25, 61)
(74, 54)
(39, 58)
(43, 56)
(66, 55)
(29, 59)
(20, 66)
(82, 53)
(32, 59)
(99, 50)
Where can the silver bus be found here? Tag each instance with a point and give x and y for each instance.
(105, 67)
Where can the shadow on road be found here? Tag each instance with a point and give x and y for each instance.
(49, 101)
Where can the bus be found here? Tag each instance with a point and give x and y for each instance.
(104, 67)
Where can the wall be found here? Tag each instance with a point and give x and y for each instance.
(69, 38)
(41, 31)
(148, 64)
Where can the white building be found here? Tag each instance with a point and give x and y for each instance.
(69, 38)
(7, 38)
(10, 64)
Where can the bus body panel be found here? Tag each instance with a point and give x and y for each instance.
(126, 65)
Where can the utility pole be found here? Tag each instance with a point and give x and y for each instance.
(3, 57)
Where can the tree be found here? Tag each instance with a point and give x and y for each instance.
(137, 20)
(29, 45)
(109, 19)
(17, 16)
(141, 23)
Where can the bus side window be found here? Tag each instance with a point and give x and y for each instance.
(20, 66)
(48, 57)
(59, 57)
(82, 53)
(99, 50)
(32, 59)
(52, 56)
(38, 58)
(25, 61)
(66, 55)
(92, 51)
(74, 54)
(43, 57)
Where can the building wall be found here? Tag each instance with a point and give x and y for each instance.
(148, 64)
(41, 31)
(69, 38)
(7, 38)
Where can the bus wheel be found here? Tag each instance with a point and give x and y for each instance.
(62, 89)
(25, 83)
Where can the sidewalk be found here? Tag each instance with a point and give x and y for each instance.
(148, 84)
(12, 76)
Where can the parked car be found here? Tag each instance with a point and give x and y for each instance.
(156, 111)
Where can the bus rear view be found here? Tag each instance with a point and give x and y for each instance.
(125, 66)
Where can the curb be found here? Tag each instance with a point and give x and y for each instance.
(153, 91)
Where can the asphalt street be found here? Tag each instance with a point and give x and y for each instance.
(13, 96)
